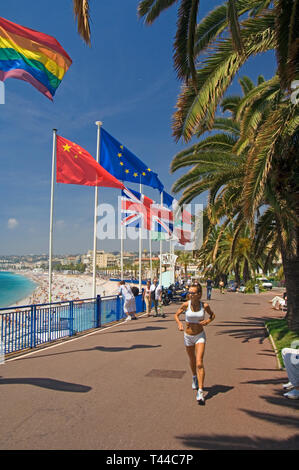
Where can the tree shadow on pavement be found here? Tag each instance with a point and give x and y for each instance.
(147, 328)
(226, 442)
(261, 370)
(215, 390)
(120, 349)
(279, 400)
(264, 382)
(256, 329)
(289, 421)
(50, 384)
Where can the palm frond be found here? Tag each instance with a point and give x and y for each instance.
(151, 9)
(184, 40)
(82, 15)
(287, 17)
(234, 25)
(196, 111)
(259, 161)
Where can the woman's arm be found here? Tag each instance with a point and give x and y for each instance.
(181, 310)
(210, 313)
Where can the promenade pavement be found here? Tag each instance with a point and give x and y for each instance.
(129, 387)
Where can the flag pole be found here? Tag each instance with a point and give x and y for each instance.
(98, 124)
(150, 250)
(140, 244)
(51, 213)
(161, 245)
(121, 246)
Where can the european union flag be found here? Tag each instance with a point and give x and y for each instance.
(124, 165)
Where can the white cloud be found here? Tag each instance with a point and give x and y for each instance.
(12, 223)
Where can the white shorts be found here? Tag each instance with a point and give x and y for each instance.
(191, 340)
(130, 305)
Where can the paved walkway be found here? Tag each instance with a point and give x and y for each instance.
(129, 387)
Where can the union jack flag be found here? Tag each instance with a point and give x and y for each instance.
(139, 210)
(182, 220)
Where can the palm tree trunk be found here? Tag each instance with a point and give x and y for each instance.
(291, 272)
(246, 272)
(237, 274)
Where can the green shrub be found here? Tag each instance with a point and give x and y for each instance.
(281, 335)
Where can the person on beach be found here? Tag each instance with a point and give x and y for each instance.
(147, 298)
(221, 285)
(194, 335)
(129, 301)
(156, 296)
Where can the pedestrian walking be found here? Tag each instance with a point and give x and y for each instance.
(156, 296)
(147, 298)
(129, 301)
(221, 285)
(209, 288)
(194, 336)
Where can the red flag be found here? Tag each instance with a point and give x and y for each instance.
(76, 166)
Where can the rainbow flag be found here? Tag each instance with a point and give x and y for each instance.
(32, 56)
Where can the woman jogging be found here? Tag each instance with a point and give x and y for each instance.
(194, 335)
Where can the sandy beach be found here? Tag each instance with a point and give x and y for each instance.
(65, 287)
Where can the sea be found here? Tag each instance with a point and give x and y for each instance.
(14, 287)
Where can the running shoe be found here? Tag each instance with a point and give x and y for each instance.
(194, 383)
(288, 386)
(200, 398)
(293, 394)
(128, 318)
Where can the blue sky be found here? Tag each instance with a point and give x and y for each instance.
(126, 80)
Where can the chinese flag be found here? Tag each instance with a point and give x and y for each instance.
(76, 166)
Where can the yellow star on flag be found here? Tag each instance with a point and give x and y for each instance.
(66, 148)
(75, 156)
(143, 174)
(127, 171)
(119, 155)
(135, 174)
(121, 146)
(121, 163)
(149, 169)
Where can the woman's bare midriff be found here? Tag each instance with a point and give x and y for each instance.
(193, 328)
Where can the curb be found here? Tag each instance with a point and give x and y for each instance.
(279, 366)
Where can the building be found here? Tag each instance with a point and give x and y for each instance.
(103, 260)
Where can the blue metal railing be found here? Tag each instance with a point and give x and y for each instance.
(28, 326)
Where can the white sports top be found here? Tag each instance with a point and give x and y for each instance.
(194, 317)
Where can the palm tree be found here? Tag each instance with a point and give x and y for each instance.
(191, 38)
(267, 26)
(254, 166)
(241, 258)
(184, 258)
(271, 176)
(271, 135)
